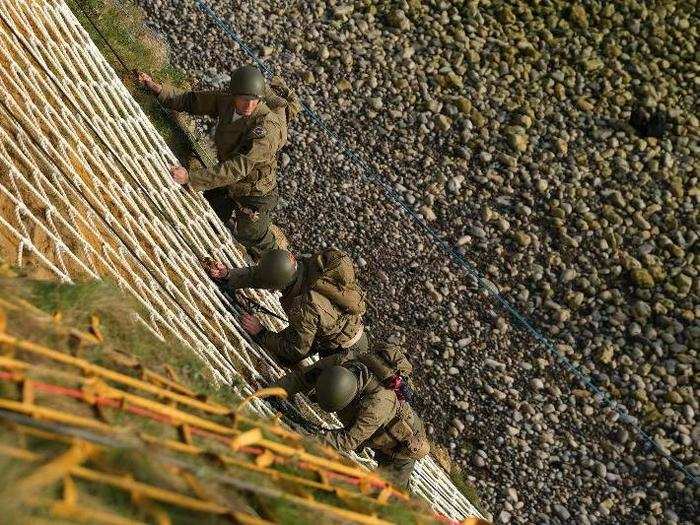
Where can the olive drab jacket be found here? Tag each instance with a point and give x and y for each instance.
(383, 360)
(378, 420)
(324, 306)
(246, 147)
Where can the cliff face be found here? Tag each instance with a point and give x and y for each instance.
(101, 422)
(85, 194)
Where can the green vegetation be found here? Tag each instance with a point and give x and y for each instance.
(467, 489)
(125, 336)
(121, 23)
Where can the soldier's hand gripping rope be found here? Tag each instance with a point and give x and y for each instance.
(220, 273)
(294, 417)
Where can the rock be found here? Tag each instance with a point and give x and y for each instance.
(477, 118)
(464, 105)
(284, 160)
(642, 278)
(579, 16)
(600, 470)
(584, 105)
(455, 80)
(376, 103)
(397, 19)
(674, 397)
(342, 11)
(621, 436)
(641, 310)
(536, 384)
(428, 213)
(443, 122)
(606, 354)
(518, 141)
(343, 85)
(522, 238)
(561, 511)
(683, 283)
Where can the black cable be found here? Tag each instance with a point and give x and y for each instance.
(81, 6)
(134, 72)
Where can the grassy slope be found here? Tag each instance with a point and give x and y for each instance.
(127, 340)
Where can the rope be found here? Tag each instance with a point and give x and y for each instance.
(82, 8)
(370, 173)
(91, 177)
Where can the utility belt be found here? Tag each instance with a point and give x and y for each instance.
(399, 438)
(326, 351)
(354, 340)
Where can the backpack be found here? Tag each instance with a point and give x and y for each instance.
(389, 364)
(279, 95)
(333, 276)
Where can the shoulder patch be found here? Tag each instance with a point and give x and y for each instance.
(258, 132)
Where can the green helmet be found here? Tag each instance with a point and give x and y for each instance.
(248, 81)
(336, 387)
(276, 270)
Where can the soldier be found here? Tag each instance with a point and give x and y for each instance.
(322, 300)
(373, 415)
(248, 136)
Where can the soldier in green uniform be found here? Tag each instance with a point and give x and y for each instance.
(373, 415)
(320, 295)
(248, 136)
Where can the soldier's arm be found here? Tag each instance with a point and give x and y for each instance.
(230, 171)
(368, 421)
(292, 344)
(192, 102)
(304, 380)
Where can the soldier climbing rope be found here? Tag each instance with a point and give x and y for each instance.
(85, 192)
(371, 174)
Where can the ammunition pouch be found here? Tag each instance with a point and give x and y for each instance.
(402, 436)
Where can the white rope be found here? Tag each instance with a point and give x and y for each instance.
(85, 192)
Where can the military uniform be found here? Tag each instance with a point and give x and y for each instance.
(323, 318)
(247, 150)
(375, 418)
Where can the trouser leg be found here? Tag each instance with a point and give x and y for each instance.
(397, 469)
(221, 203)
(253, 220)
